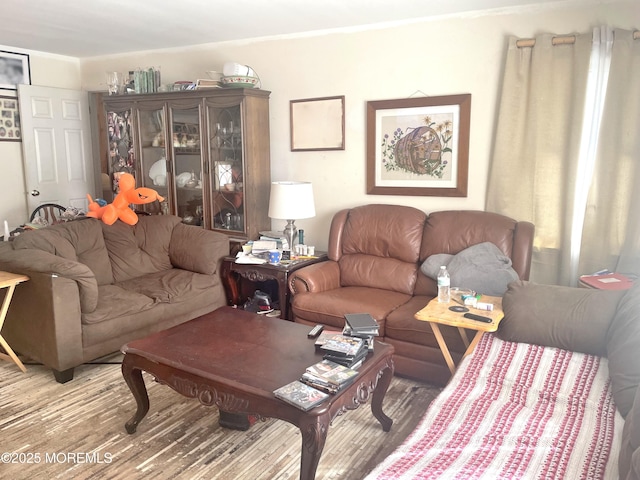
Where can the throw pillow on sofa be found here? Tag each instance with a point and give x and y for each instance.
(481, 267)
(575, 319)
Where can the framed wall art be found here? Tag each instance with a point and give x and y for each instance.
(418, 146)
(9, 120)
(14, 70)
(317, 124)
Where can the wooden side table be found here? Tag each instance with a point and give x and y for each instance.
(437, 313)
(232, 273)
(9, 281)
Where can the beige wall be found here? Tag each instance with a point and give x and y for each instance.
(46, 70)
(440, 57)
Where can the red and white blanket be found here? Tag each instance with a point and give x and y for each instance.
(512, 411)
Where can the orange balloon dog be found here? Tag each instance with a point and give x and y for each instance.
(119, 208)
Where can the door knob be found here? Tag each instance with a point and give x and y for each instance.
(35, 193)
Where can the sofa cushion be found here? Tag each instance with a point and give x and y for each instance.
(330, 306)
(391, 231)
(630, 439)
(481, 267)
(185, 239)
(575, 319)
(360, 270)
(114, 302)
(623, 345)
(170, 286)
(80, 240)
(140, 249)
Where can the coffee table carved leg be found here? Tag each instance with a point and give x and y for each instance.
(378, 396)
(314, 435)
(133, 377)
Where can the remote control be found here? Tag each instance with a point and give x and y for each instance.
(315, 331)
(479, 318)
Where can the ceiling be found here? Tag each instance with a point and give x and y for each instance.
(85, 28)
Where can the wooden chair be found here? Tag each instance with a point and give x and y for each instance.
(50, 212)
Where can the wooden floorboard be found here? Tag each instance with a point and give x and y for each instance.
(45, 424)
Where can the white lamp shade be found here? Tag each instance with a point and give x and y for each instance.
(291, 200)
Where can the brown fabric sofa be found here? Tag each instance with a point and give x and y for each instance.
(94, 287)
(375, 254)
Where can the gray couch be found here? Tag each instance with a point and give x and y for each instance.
(94, 287)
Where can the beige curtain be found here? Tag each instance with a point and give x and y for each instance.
(611, 236)
(536, 154)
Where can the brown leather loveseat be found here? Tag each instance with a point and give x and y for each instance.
(375, 254)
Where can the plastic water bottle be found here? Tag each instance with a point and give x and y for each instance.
(444, 285)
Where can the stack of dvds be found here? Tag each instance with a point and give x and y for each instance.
(361, 325)
(345, 350)
(328, 376)
(300, 395)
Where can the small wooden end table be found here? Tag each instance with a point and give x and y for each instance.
(9, 281)
(231, 272)
(437, 313)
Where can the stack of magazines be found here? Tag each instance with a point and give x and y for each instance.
(361, 325)
(345, 350)
(328, 376)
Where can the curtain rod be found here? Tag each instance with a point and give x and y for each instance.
(560, 40)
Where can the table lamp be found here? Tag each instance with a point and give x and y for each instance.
(291, 201)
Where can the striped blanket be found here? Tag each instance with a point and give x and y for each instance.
(515, 410)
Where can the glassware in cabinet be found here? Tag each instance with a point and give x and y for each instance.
(187, 158)
(227, 169)
(121, 157)
(153, 156)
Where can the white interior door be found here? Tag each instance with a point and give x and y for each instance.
(56, 143)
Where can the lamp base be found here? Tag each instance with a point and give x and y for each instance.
(290, 233)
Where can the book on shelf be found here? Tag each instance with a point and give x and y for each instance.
(300, 395)
(343, 345)
(361, 323)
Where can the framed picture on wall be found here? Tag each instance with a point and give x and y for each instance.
(14, 70)
(317, 124)
(9, 120)
(418, 146)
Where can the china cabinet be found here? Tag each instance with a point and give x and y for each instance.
(205, 151)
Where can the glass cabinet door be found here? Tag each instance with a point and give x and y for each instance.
(121, 158)
(227, 169)
(187, 158)
(153, 159)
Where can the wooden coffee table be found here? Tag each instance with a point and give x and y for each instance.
(234, 360)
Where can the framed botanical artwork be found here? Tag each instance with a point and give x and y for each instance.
(14, 70)
(418, 146)
(317, 124)
(9, 120)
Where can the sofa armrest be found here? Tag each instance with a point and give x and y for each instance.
(196, 249)
(315, 278)
(44, 321)
(30, 260)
